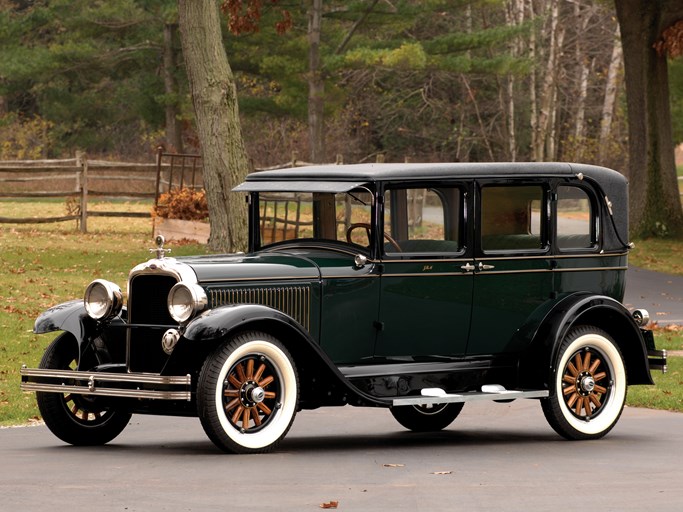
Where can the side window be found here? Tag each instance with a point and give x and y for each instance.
(575, 219)
(422, 220)
(511, 217)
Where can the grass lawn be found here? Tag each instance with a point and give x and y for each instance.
(46, 264)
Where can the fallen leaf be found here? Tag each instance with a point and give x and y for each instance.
(442, 473)
(393, 465)
(330, 504)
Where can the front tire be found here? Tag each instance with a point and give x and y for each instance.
(248, 393)
(79, 420)
(588, 388)
(422, 418)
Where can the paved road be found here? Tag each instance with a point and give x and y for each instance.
(660, 294)
(494, 457)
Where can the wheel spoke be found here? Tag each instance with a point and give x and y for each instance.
(250, 369)
(266, 381)
(572, 400)
(270, 394)
(569, 379)
(259, 372)
(572, 369)
(245, 417)
(233, 380)
(240, 372)
(236, 415)
(579, 405)
(255, 415)
(596, 401)
(600, 389)
(587, 360)
(267, 411)
(232, 404)
(594, 366)
(231, 392)
(578, 362)
(598, 377)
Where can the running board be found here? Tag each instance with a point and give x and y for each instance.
(496, 393)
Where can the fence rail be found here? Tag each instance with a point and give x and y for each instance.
(81, 179)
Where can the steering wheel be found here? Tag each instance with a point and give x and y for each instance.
(366, 226)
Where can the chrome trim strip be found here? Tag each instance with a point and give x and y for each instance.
(469, 397)
(261, 279)
(498, 272)
(90, 380)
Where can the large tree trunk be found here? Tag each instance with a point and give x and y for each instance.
(611, 88)
(654, 199)
(174, 139)
(316, 84)
(218, 125)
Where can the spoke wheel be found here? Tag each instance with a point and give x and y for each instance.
(588, 387)
(423, 418)
(76, 419)
(248, 393)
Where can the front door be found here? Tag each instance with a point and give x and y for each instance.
(426, 280)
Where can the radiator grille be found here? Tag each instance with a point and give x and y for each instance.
(147, 305)
(294, 301)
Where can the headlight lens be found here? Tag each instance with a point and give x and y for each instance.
(185, 300)
(103, 299)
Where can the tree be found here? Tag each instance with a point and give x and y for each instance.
(214, 98)
(655, 203)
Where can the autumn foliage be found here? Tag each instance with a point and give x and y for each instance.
(244, 16)
(184, 204)
(671, 43)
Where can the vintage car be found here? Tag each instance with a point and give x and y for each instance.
(413, 287)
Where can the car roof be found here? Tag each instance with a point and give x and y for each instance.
(373, 172)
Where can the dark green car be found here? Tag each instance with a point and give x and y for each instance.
(414, 287)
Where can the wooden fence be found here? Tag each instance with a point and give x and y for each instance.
(79, 179)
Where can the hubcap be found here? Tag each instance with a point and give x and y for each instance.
(586, 383)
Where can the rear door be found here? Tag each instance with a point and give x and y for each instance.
(513, 278)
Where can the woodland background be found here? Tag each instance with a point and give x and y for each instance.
(431, 81)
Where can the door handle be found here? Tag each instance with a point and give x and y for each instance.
(468, 267)
(481, 266)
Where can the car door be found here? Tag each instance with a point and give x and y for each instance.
(426, 278)
(513, 278)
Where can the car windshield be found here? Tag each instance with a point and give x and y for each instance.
(340, 217)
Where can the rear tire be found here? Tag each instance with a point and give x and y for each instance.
(588, 388)
(79, 420)
(421, 418)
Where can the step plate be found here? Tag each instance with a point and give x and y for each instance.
(470, 397)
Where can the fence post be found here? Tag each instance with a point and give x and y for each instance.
(82, 161)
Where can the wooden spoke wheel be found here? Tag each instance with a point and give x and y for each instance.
(74, 418)
(588, 388)
(366, 226)
(247, 393)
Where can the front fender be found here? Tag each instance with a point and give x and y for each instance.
(321, 380)
(215, 324)
(69, 316)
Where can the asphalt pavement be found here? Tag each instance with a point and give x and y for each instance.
(661, 294)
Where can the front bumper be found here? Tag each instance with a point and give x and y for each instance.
(124, 385)
(657, 360)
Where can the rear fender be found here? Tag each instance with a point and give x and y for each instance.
(539, 364)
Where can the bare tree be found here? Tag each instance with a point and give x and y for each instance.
(214, 99)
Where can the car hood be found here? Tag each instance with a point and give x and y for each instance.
(251, 267)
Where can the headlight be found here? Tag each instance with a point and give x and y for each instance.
(185, 300)
(103, 299)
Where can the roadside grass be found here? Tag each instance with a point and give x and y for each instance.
(45, 264)
(659, 254)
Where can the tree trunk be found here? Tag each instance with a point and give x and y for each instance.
(174, 139)
(316, 84)
(218, 125)
(655, 203)
(611, 88)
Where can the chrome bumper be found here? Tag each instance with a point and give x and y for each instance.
(657, 360)
(124, 385)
